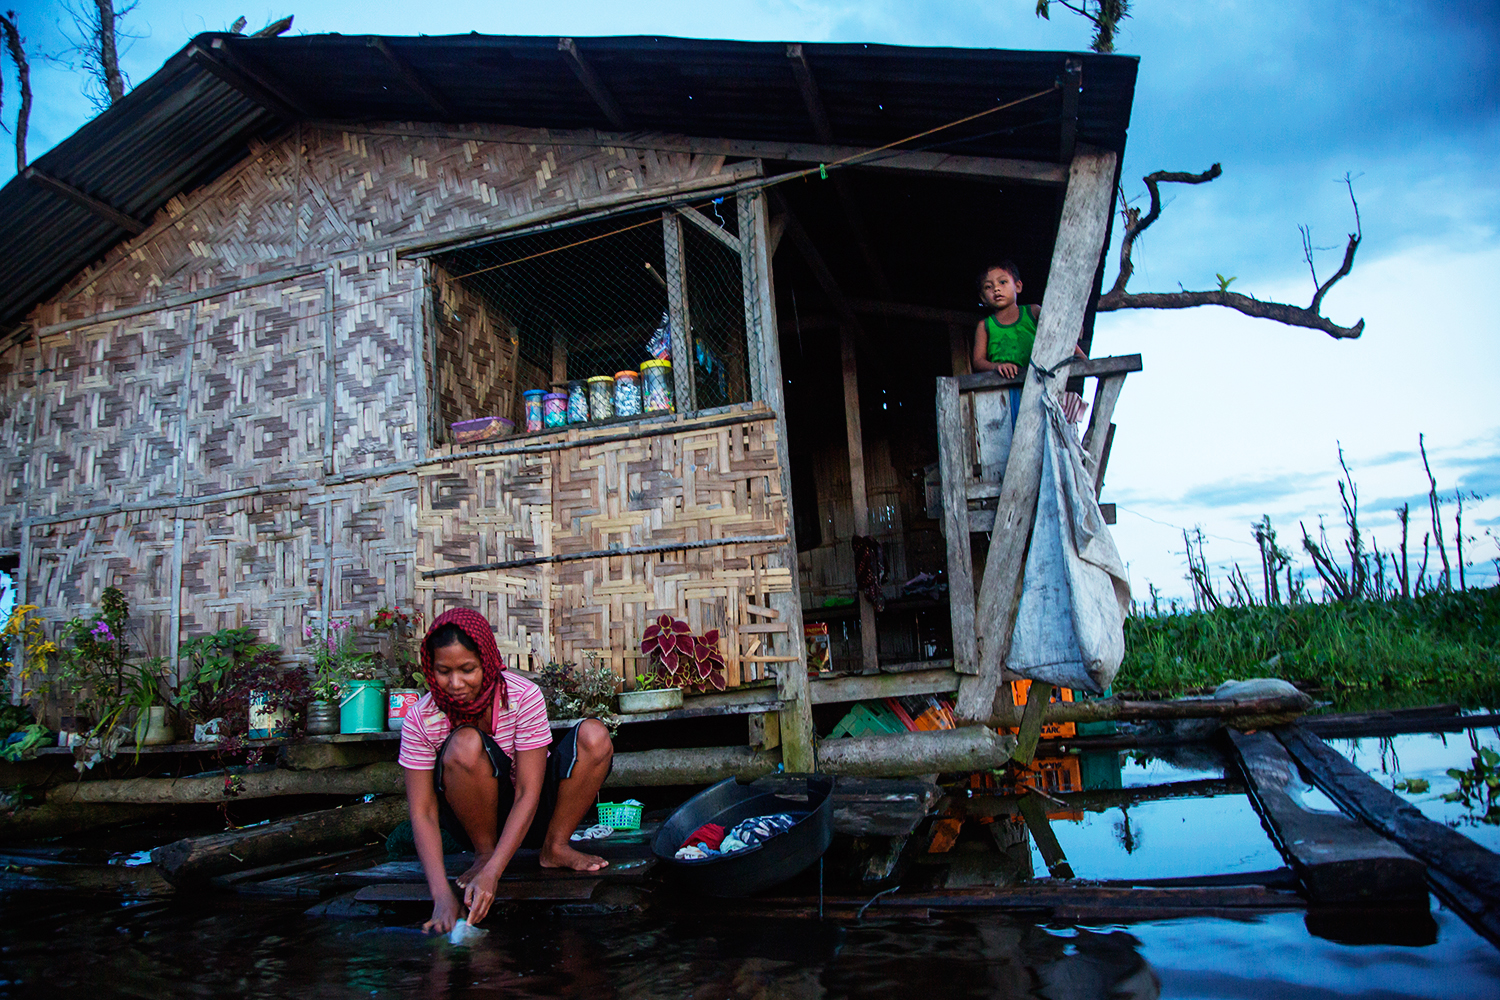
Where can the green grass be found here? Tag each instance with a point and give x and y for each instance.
(1441, 646)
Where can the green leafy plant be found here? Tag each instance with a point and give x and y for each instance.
(682, 659)
(96, 668)
(1224, 282)
(214, 657)
(582, 692)
(1478, 786)
(403, 666)
(336, 659)
(26, 630)
(1415, 786)
(651, 682)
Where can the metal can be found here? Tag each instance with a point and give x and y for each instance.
(555, 409)
(531, 404)
(627, 393)
(601, 397)
(656, 386)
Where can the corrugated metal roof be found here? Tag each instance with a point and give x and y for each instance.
(185, 125)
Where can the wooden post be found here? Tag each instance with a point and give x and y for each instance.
(747, 288)
(797, 733)
(677, 309)
(961, 348)
(1075, 262)
(1105, 397)
(559, 359)
(421, 370)
(1035, 815)
(868, 640)
(183, 395)
(330, 366)
(1037, 697)
(952, 466)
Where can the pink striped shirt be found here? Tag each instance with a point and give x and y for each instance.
(522, 727)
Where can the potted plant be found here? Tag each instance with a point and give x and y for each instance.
(680, 660)
(334, 661)
(123, 697)
(401, 664)
(203, 696)
(586, 692)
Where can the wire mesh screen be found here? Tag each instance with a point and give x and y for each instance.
(539, 310)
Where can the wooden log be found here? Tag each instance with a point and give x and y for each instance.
(678, 310)
(1339, 859)
(384, 778)
(54, 820)
(1101, 799)
(695, 766)
(1070, 281)
(318, 756)
(1106, 709)
(904, 754)
(952, 461)
(1467, 874)
(195, 860)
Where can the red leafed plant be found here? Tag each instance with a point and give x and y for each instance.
(682, 659)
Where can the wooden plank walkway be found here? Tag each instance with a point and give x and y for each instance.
(1338, 859)
(1464, 873)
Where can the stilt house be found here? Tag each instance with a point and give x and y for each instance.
(242, 308)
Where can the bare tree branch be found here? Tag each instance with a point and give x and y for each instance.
(1309, 317)
(275, 28)
(14, 44)
(109, 56)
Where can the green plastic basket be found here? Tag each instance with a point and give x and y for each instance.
(620, 815)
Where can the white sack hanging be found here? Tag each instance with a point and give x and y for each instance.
(1070, 627)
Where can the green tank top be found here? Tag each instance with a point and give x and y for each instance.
(1011, 344)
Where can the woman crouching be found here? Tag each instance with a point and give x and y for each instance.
(475, 752)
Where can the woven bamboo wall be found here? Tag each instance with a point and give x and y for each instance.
(475, 357)
(694, 484)
(292, 387)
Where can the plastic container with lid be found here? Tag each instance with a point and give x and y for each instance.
(601, 397)
(555, 409)
(656, 386)
(531, 404)
(578, 401)
(627, 393)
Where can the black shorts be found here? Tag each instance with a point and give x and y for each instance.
(560, 761)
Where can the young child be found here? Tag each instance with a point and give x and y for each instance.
(475, 754)
(1003, 339)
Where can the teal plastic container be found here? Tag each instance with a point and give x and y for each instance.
(362, 707)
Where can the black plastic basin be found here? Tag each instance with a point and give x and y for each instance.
(809, 799)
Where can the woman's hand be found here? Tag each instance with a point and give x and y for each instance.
(480, 893)
(445, 913)
(1007, 370)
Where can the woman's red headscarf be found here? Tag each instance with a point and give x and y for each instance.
(478, 713)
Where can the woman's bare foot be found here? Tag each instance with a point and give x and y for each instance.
(564, 856)
(479, 862)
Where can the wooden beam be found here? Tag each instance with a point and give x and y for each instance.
(855, 440)
(953, 454)
(869, 687)
(808, 88)
(745, 215)
(1103, 411)
(223, 63)
(1070, 282)
(710, 227)
(1467, 874)
(1035, 815)
(409, 76)
(591, 82)
(677, 309)
(961, 348)
(975, 167)
(1072, 85)
(1339, 859)
(1081, 368)
(797, 732)
(107, 212)
(1038, 694)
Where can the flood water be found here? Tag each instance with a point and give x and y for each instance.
(70, 942)
(1428, 757)
(58, 946)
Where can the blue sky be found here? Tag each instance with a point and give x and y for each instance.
(1232, 417)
